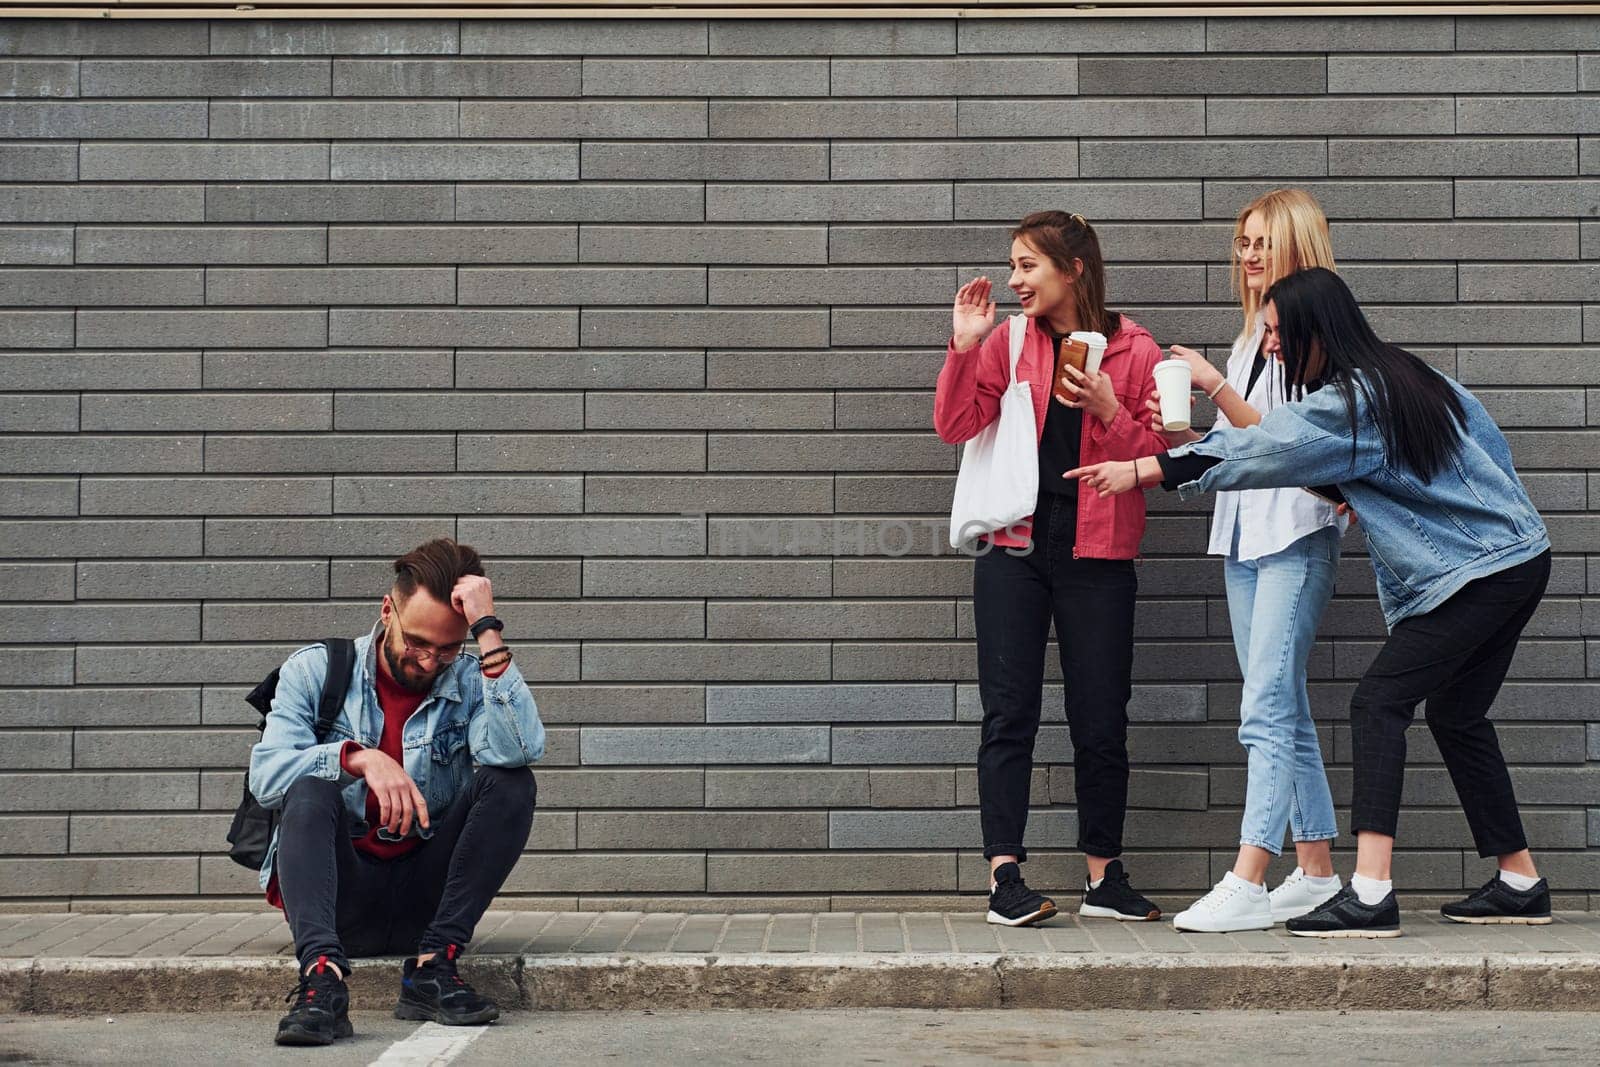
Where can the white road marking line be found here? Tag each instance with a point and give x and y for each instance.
(430, 1045)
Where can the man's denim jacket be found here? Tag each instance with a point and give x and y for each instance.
(1427, 537)
(465, 719)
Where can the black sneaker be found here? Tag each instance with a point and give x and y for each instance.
(434, 992)
(321, 1011)
(1346, 916)
(1012, 903)
(1116, 899)
(1498, 902)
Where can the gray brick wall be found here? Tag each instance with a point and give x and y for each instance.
(651, 312)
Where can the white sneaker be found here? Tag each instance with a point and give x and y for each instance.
(1297, 897)
(1230, 906)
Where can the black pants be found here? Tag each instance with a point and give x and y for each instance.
(1455, 657)
(1091, 600)
(341, 902)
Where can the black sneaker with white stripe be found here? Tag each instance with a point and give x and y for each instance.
(1012, 903)
(1115, 898)
(1345, 916)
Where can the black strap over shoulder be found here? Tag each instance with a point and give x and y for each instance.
(341, 661)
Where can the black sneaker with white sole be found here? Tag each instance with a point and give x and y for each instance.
(1115, 898)
(1346, 916)
(1012, 903)
(1498, 903)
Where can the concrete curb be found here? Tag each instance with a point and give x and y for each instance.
(862, 980)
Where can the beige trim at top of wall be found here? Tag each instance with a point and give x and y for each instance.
(747, 9)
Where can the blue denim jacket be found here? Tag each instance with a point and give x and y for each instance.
(465, 718)
(1427, 537)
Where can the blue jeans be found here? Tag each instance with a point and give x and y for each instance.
(1274, 604)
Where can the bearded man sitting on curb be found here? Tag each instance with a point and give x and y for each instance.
(399, 825)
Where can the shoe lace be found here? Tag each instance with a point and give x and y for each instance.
(1297, 876)
(1220, 894)
(320, 979)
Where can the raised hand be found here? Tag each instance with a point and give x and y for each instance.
(973, 315)
(1202, 375)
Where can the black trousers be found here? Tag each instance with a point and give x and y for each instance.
(1015, 597)
(341, 902)
(1455, 657)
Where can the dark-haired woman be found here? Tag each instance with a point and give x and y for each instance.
(1071, 561)
(1461, 557)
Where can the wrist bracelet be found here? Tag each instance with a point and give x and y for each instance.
(484, 663)
(1213, 394)
(488, 622)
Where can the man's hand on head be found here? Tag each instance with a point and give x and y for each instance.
(473, 597)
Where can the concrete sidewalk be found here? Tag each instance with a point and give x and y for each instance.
(54, 963)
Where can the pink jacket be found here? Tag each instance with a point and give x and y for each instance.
(968, 399)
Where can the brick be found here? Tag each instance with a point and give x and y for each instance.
(511, 577)
(581, 37)
(1344, 199)
(1098, 200)
(1455, 240)
(1201, 75)
(786, 788)
(1378, 157)
(456, 77)
(102, 203)
(35, 245)
(1527, 114)
(1559, 449)
(832, 118)
(98, 455)
(913, 789)
(36, 581)
(689, 244)
(156, 329)
(620, 789)
(580, 369)
(335, 37)
(828, 537)
(939, 829)
(931, 744)
(1340, 34)
(40, 78)
(145, 833)
(205, 77)
(834, 452)
(103, 791)
(701, 829)
(86, 538)
(1090, 36)
(32, 329)
(709, 411)
(1553, 281)
(1460, 73)
(704, 161)
(1468, 323)
(582, 285)
(831, 872)
(206, 411)
(833, 368)
(825, 202)
(828, 703)
(695, 744)
(616, 703)
(95, 287)
(706, 77)
(903, 577)
(195, 244)
(830, 619)
(928, 160)
(321, 369)
(581, 203)
(34, 835)
(1589, 155)
(832, 37)
(101, 119)
(624, 872)
(99, 707)
(37, 666)
(1210, 158)
(587, 536)
(454, 161)
(689, 328)
(722, 578)
(319, 537)
(40, 623)
(584, 119)
(584, 452)
(1377, 115)
(460, 494)
(122, 876)
(475, 327)
(887, 411)
(1519, 33)
(212, 162)
(333, 453)
(36, 749)
(452, 244)
(705, 661)
(73, 37)
(330, 202)
(47, 413)
(1120, 117)
(448, 411)
(717, 493)
(1527, 198)
(953, 77)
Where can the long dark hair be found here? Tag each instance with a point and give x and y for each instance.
(1062, 238)
(1418, 413)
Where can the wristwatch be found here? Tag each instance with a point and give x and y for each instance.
(488, 622)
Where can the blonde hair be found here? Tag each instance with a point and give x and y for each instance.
(1298, 232)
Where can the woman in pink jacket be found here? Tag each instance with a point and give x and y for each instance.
(1071, 561)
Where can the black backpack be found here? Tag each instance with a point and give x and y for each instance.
(253, 826)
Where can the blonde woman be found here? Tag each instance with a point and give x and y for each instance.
(1280, 550)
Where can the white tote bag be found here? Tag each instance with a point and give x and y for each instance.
(999, 479)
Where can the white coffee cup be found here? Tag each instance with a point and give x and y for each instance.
(1172, 380)
(1097, 349)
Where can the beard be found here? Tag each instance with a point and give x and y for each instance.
(409, 676)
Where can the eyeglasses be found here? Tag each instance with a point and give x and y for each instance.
(442, 656)
(1245, 249)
